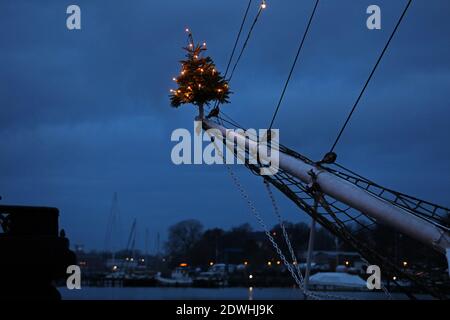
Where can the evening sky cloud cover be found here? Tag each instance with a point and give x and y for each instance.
(86, 113)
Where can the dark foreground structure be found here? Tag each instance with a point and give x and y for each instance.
(34, 253)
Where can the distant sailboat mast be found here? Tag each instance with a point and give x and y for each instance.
(111, 237)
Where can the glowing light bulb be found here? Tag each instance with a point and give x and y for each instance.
(187, 30)
(174, 79)
(204, 44)
(263, 5)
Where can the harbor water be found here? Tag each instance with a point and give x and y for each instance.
(158, 293)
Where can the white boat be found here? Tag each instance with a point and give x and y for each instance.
(179, 277)
(337, 281)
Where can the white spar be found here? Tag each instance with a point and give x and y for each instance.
(352, 195)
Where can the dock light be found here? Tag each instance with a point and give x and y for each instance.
(126, 259)
(211, 263)
(269, 263)
(278, 262)
(115, 268)
(394, 278)
(347, 263)
(142, 260)
(245, 263)
(131, 259)
(405, 264)
(250, 276)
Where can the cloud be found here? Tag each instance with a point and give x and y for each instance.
(84, 114)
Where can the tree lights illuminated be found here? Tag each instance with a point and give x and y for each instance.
(199, 82)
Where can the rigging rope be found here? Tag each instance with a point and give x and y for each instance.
(236, 43)
(261, 8)
(293, 64)
(244, 19)
(238, 37)
(370, 76)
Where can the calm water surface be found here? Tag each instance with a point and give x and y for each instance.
(158, 293)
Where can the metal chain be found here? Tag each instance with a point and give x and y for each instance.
(264, 226)
(297, 278)
(286, 237)
(383, 287)
(283, 228)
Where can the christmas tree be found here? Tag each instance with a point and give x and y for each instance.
(199, 82)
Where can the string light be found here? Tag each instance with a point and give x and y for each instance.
(174, 79)
(187, 30)
(263, 4)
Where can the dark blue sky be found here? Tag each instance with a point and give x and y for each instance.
(86, 113)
